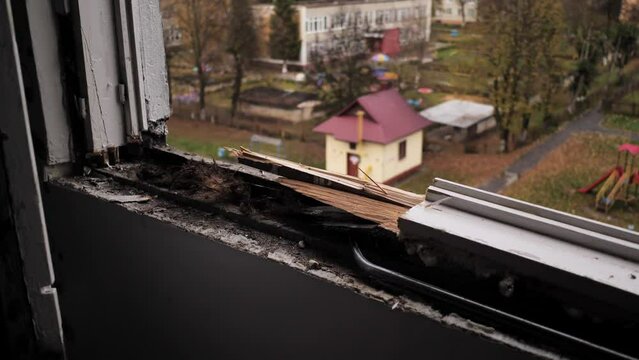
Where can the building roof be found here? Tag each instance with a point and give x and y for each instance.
(276, 97)
(388, 118)
(458, 113)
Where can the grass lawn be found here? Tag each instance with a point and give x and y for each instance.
(204, 138)
(459, 60)
(446, 53)
(455, 165)
(428, 100)
(632, 98)
(622, 122)
(578, 162)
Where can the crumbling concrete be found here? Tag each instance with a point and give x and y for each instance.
(283, 251)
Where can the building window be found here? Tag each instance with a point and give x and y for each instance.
(402, 150)
(379, 17)
(352, 146)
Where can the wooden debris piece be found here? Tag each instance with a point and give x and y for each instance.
(323, 178)
(382, 213)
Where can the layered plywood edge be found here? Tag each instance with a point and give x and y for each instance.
(363, 198)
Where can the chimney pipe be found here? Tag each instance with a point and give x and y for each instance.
(360, 126)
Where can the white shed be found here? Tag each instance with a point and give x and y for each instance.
(466, 118)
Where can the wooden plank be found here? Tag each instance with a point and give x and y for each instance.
(385, 214)
(291, 170)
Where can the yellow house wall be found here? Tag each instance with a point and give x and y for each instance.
(414, 155)
(381, 162)
(371, 156)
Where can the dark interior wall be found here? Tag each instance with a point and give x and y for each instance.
(30, 81)
(17, 335)
(132, 287)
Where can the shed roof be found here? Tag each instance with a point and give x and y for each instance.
(458, 113)
(388, 118)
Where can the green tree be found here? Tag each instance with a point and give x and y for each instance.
(591, 22)
(241, 44)
(284, 42)
(550, 71)
(522, 40)
(624, 37)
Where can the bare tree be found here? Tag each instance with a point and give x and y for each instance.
(241, 44)
(340, 67)
(200, 22)
(419, 31)
(462, 6)
(438, 5)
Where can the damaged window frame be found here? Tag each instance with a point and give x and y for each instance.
(111, 123)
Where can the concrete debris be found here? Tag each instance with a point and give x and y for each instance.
(313, 265)
(507, 286)
(278, 248)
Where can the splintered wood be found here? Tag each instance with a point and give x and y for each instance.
(384, 214)
(367, 200)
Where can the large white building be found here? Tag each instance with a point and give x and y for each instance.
(319, 19)
(450, 12)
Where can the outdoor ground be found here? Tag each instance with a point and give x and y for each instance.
(204, 138)
(574, 164)
(450, 162)
(453, 74)
(453, 163)
(622, 122)
(552, 182)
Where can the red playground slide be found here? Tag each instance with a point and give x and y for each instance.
(589, 188)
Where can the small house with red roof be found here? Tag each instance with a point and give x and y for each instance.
(379, 134)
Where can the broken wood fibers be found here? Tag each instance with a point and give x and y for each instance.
(378, 203)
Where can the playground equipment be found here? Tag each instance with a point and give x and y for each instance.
(617, 183)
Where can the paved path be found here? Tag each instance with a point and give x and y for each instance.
(589, 121)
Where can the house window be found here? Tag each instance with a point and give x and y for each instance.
(402, 150)
(352, 146)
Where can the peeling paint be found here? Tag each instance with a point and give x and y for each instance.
(156, 86)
